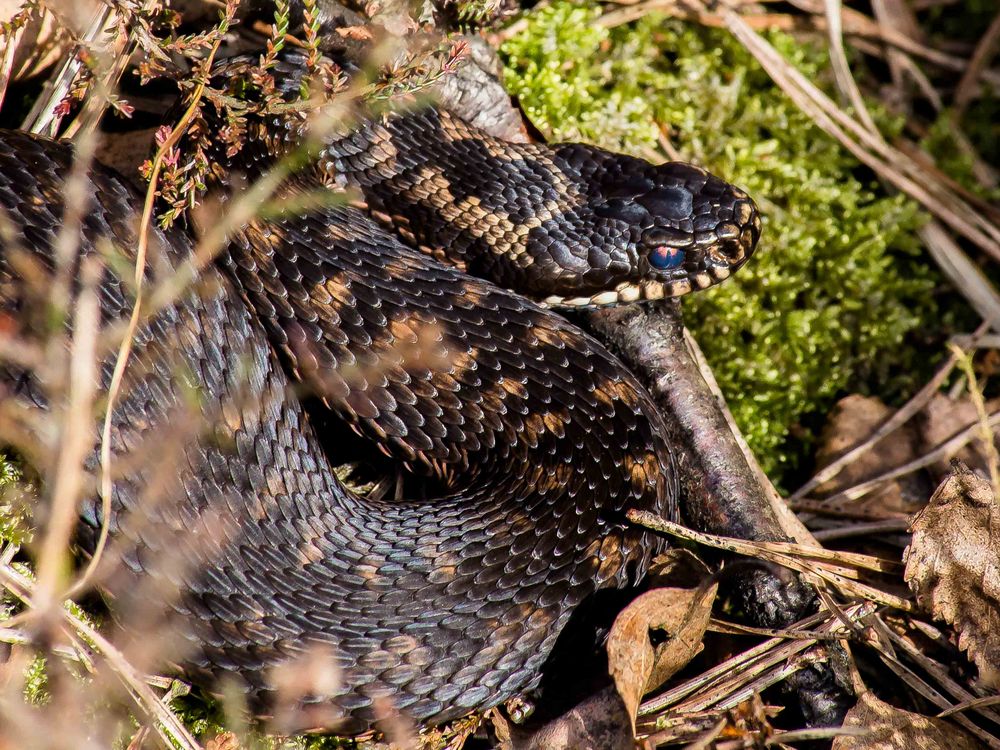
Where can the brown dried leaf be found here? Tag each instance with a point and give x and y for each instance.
(224, 741)
(942, 418)
(635, 664)
(953, 565)
(598, 723)
(853, 420)
(359, 33)
(890, 727)
(676, 568)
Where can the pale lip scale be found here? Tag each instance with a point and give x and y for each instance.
(648, 290)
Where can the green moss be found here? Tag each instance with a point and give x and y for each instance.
(837, 282)
(206, 718)
(941, 143)
(36, 682)
(13, 511)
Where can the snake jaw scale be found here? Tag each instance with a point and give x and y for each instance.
(702, 280)
(652, 291)
(720, 272)
(628, 293)
(646, 291)
(605, 298)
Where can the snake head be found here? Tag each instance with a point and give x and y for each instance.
(665, 230)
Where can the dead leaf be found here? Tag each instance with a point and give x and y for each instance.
(942, 418)
(598, 723)
(851, 422)
(890, 727)
(676, 568)
(953, 565)
(358, 33)
(224, 741)
(635, 664)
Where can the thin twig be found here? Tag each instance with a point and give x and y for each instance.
(125, 348)
(942, 452)
(41, 118)
(910, 409)
(863, 529)
(890, 163)
(170, 728)
(968, 85)
(818, 565)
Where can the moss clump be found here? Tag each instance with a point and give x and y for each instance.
(836, 284)
(941, 143)
(14, 513)
(36, 682)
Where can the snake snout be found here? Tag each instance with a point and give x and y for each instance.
(701, 240)
(736, 231)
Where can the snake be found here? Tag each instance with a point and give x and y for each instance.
(422, 312)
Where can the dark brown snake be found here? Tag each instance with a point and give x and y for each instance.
(538, 436)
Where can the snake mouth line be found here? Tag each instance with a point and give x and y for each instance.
(627, 292)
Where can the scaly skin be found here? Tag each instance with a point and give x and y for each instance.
(538, 436)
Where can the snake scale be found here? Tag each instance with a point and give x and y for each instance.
(242, 537)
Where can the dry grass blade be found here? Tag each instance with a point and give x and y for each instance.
(963, 273)
(909, 410)
(890, 163)
(125, 347)
(76, 441)
(169, 727)
(16, 637)
(10, 34)
(986, 434)
(856, 25)
(944, 451)
(971, 705)
(824, 733)
(820, 566)
(941, 673)
(42, 117)
(844, 562)
(883, 645)
(889, 525)
(968, 86)
(714, 686)
(841, 68)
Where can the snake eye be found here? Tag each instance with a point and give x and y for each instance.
(665, 258)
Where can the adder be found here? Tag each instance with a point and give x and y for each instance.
(397, 321)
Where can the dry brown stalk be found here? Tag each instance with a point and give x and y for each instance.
(942, 452)
(968, 85)
(167, 725)
(909, 410)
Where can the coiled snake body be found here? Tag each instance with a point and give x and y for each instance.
(539, 438)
